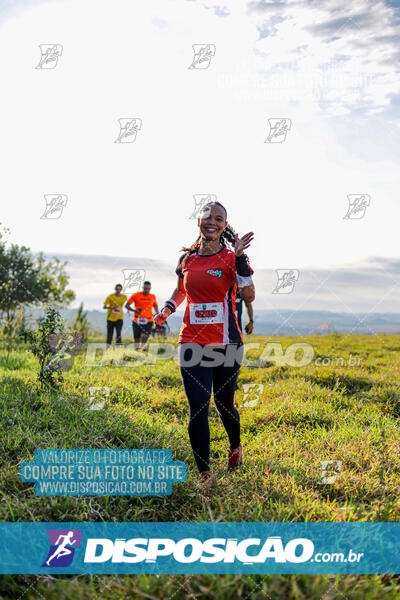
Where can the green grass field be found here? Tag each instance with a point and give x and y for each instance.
(307, 415)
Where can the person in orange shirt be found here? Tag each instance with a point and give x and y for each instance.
(142, 313)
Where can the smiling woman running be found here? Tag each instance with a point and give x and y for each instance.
(209, 273)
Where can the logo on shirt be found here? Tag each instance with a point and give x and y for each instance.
(214, 272)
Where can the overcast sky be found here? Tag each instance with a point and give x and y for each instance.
(330, 67)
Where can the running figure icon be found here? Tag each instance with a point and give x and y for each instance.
(62, 550)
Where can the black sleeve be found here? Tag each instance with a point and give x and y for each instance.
(243, 266)
(178, 269)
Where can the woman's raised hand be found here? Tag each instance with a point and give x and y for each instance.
(243, 242)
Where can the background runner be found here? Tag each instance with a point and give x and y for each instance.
(115, 316)
(142, 323)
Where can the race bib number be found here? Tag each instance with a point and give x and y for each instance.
(142, 321)
(116, 309)
(207, 313)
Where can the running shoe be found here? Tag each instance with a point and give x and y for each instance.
(205, 479)
(235, 458)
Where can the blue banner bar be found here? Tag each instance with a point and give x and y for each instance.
(217, 548)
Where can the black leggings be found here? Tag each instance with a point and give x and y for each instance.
(198, 379)
(110, 329)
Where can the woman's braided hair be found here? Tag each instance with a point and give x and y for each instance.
(228, 235)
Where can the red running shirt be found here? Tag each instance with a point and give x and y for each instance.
(210, 284)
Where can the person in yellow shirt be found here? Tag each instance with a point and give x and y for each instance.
(142, 313)
(114, 304)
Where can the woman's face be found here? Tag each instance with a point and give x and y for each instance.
(212, 222)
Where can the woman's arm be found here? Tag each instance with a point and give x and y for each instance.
(177, 297)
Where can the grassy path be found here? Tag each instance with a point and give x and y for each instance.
(340, 412)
